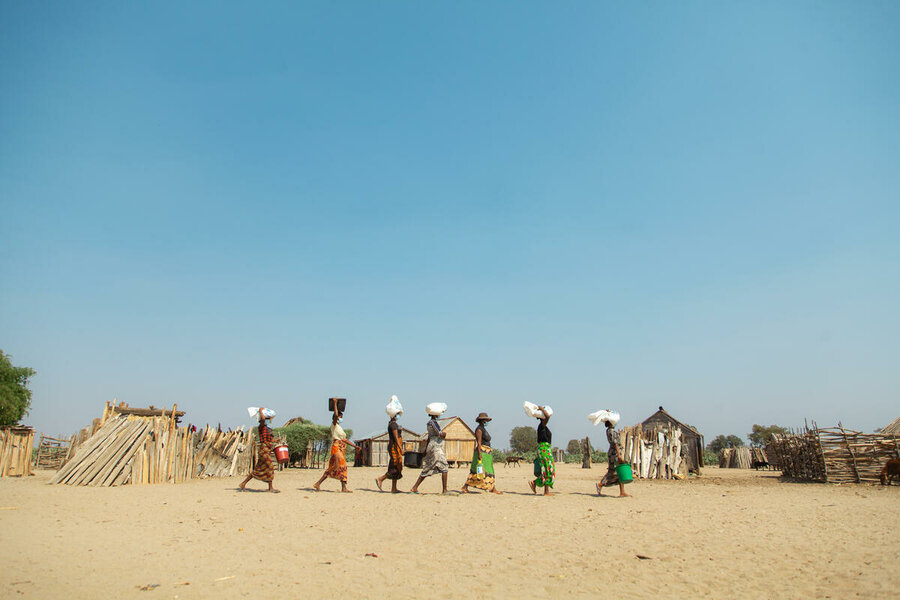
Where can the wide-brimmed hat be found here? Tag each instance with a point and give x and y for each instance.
(482, 417)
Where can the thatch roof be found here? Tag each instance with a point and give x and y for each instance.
(893, 428)
(662, 414)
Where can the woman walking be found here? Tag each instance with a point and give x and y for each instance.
(435, 459)
(611, 477)
(481, 473)
(337, 464)
(545, 456)
(265, 468)
(395, 450)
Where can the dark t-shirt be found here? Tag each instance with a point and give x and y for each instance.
(392, 427)
(485, 436)
(544, 435)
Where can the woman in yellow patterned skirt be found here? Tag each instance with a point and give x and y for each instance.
(481, 473)
(337, 464)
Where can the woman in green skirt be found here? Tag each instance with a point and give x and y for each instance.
(481, 473)
(547, 472)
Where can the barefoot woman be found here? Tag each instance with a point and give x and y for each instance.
(265, 468)
(481, 457)
(337, 464)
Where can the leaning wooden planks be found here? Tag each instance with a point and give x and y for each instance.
(654, 453)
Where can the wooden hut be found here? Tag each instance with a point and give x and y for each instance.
(692, 440)
(892, 429)
(16, 446)
(374, 449)
(459, 445)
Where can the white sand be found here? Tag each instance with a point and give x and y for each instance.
(729, 534)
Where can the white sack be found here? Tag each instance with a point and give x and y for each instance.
(394, 407)
(436, 409)
(532, 410)
(253, 411)
(604, 415)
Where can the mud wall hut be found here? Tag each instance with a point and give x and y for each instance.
(692, 440)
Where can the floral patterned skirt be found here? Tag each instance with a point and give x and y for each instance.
(548, 469)
(395, 465)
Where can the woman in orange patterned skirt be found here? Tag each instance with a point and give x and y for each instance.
(337, 464)
(265, 468)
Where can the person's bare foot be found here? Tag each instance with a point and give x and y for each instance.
(532, 486)
(498, 492)
(346, 491)
(624, 495)
(316, 487)
(548, 493)
(378, 483)
(465, 490)
(275, 491)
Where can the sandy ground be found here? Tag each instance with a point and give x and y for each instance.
(729, 534)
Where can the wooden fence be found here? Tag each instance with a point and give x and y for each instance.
(834, 455)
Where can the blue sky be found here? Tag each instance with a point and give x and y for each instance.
(595, 205)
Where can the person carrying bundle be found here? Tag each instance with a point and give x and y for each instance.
(337, 464)
(395, 447)
(265, 468)
(545, 470)
(435, 459)
(614, 454)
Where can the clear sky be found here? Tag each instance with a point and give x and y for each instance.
(587, 204)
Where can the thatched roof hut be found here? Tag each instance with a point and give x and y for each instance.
(892, 429)
(692, 439)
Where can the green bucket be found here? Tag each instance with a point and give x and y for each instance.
(624, 472)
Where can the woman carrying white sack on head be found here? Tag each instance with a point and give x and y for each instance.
(544, 468)
(610, 418)
(435, 459)
(395, 446)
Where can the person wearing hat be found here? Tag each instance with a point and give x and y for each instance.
(264, 470)
(611, 477)
(395, 451)
(435, 459)
(481, 473)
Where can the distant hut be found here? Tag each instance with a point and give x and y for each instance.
(16, 447)
(374, 449)
(892, 429)
(692, 439)
(459, 445)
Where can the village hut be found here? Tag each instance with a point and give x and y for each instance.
(692, 440)
(459, 445)
(374, 449)
(16, 446)
(892, 429)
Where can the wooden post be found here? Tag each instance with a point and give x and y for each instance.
(586, 456)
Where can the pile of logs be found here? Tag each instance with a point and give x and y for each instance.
(144, 446)
(734, 458)
(16, 445)
(835, 455)
(654, 453)
(52, 453)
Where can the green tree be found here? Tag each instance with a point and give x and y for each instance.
(299, 435)
(523, 439)
(721, 442)
(761, 435)
(574, 447)
(15, 397)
